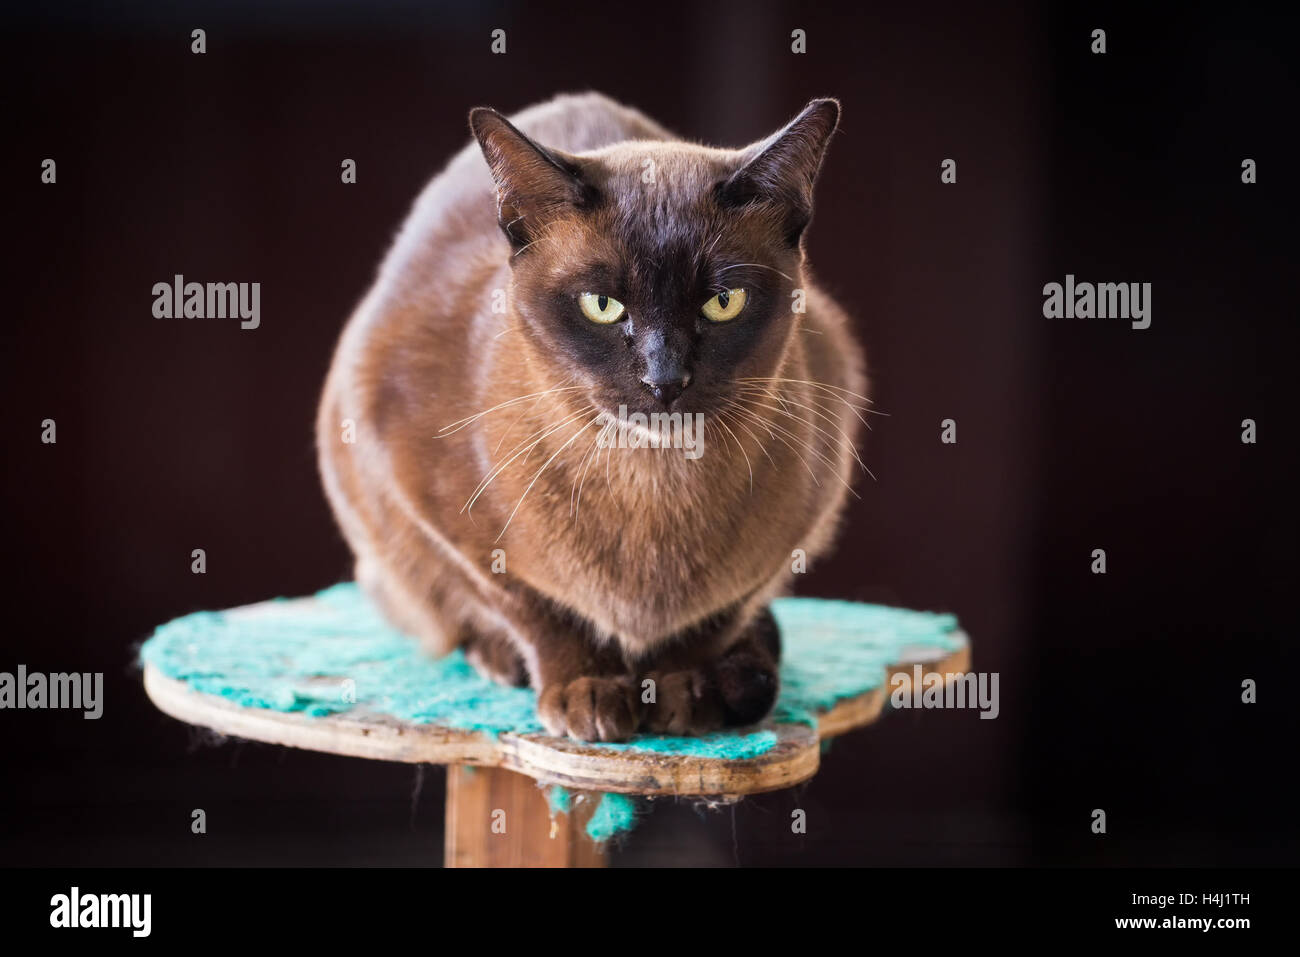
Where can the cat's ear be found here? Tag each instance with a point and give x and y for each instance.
(533, 182)
(780, 170)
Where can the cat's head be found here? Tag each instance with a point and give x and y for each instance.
(658, 272)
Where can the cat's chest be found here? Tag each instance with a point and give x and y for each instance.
(683, 538)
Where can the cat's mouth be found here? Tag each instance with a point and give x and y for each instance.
(623, 408)
(618, 402)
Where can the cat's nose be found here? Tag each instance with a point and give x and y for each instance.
(668, 390)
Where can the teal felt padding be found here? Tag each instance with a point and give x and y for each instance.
(336, 653)
(833, 650)
(614, 815)
(557, 798)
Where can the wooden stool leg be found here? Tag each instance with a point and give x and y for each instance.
(497, 818)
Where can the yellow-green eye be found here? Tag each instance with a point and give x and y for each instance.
(602, 309)
(725, 305)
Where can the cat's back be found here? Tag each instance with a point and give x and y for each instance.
(578, 122)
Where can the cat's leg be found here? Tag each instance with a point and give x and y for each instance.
(445, 616)
(698, 690)
(495, 657)
(400, 607)
(584, 687)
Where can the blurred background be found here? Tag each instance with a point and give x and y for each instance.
(1119, 692)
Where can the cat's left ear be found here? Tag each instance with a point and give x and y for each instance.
(780, 170)
(533, 183)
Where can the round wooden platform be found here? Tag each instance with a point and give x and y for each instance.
(793, 758)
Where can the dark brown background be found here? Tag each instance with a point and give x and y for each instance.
(1119, 692)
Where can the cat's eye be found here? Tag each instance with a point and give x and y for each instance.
(725, 305)
(601, 309)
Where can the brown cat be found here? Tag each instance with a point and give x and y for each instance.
(535, 315)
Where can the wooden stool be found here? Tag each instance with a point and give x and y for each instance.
(327, 674)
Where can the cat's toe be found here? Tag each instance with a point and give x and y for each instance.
(550, 710)
(590, 709)
(686, 702)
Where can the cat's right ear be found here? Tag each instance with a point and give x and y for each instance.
(779, 172)
(533, 183)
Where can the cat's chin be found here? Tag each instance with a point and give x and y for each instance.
(655, 428)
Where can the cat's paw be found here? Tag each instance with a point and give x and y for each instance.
(685, 703)
(590, 709)
(748, 685)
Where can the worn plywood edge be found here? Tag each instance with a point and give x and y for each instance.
(354, 733)
(863, 709)
(794, 758)
(549, 760)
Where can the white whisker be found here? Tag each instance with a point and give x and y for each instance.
(566, 444)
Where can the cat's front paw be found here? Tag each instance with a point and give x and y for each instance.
(685, 703)
(590, 709)
(748, 685)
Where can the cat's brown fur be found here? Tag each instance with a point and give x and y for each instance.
(663, 566)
